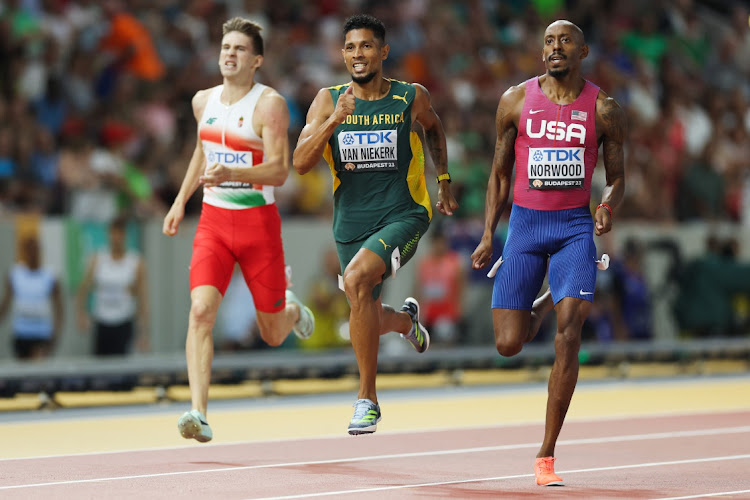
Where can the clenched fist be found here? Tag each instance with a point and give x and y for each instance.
(345, 105)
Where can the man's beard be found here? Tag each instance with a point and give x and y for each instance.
(363, 79)
(558, 73)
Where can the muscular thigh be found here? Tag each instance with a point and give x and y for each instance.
(571, 313)
(521, 274)
(572, 267)
(212, 261)
(395, 243)
(260, 254)
(511, 325)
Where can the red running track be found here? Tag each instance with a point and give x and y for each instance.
(690, 456)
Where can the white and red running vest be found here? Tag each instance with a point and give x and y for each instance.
(229, 139)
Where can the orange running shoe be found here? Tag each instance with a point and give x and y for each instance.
(544, 470)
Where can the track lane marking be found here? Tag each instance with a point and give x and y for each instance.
(706, 495)
(394, 432)
(517, 476)
(482, 449)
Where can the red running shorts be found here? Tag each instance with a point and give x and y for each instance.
(252, 238)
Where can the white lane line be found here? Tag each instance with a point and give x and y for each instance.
(500, 478)
(391, 488)
(706, 495)
(481, 449)
(509, 425)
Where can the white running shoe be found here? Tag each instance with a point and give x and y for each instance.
(305, 325)
(192, 425)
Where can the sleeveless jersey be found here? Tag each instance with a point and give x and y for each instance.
(377, 163)
(228, 138)
(114, 281)
(32, 302)
(556, 150)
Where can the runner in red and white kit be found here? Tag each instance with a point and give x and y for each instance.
(242, 152)
(552, 127)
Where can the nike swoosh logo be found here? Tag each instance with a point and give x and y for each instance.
(585, 293)
(535, 111)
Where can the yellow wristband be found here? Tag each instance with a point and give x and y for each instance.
(444, 177)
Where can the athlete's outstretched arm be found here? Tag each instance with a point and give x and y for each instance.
(498, 187)
(322, 120)
(191, 181)
(271, 121)
(611, 120)
(434, 135)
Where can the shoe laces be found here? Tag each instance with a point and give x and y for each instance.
(411, 309)
(547, 465)
(361, 407)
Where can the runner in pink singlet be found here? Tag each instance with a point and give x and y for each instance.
(551, 127)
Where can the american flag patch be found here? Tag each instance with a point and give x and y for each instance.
(578, 115)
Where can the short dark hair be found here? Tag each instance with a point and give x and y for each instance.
(246, 27)
(119, 223)
(367, 22)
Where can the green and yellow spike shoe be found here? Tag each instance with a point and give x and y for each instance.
(418, 336)
(366, 417)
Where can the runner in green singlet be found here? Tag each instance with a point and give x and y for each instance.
(363, 129)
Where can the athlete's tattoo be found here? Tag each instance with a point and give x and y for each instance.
(613, 123)
(505, 144)
(435, 140)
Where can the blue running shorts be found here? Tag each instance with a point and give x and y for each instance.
(565, 238)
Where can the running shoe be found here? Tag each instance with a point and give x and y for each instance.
(418, 336)
(192, 425)
(544, 470)
(305, 325)
(366, 417)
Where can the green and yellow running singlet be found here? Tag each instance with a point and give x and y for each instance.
(377, 163)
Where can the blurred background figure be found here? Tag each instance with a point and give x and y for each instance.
(34, 293)
(439, 289)
(632, 299)
(329, 305)
(129, 44)
(709, 288)
(464, 236)
(117, 277)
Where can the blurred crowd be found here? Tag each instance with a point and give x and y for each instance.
(95, 114)
(96, 121)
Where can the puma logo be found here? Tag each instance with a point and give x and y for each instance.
(385, 245)
(403, 98)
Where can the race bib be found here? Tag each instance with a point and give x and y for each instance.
(369, 151)
(556, 168)
(233, 160)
